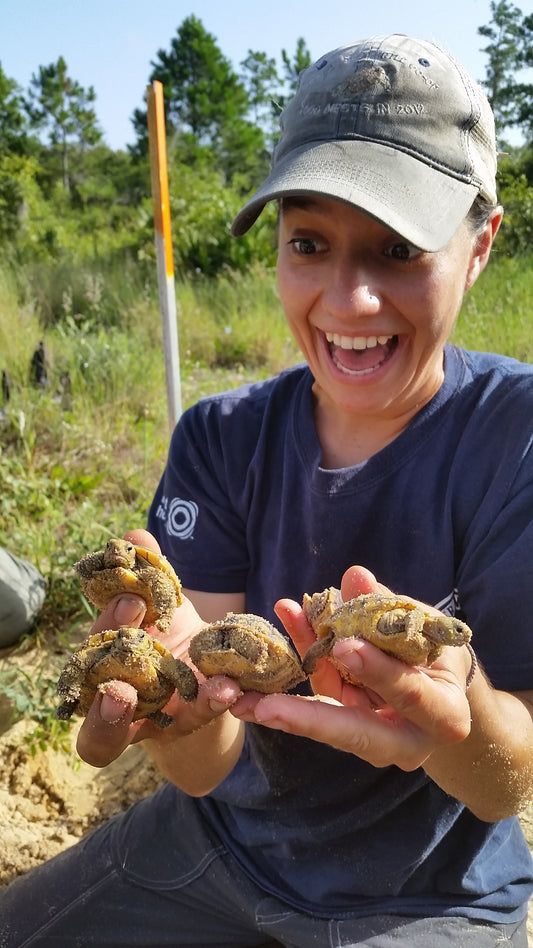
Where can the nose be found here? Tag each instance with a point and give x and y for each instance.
(352, 292)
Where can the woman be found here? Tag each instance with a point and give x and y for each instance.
(379, 814)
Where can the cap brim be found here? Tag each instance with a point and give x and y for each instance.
(421, 203)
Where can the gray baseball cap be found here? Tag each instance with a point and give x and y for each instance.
(393, 126)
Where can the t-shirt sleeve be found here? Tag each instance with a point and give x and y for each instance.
(197, 512)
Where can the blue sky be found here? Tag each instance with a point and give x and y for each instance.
(109, 44)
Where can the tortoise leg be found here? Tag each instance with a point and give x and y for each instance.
(66, 709)
(160, 718)
(397, 622)
(184, 680)
(319, 649)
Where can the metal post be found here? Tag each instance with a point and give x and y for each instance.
(163, 245)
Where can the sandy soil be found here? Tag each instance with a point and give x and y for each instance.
(49, 800)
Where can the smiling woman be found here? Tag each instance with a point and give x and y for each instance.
(375, 804)
(371, 314)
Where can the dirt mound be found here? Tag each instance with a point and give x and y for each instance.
(48, 800)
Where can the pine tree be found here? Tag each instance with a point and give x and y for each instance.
(61, 106)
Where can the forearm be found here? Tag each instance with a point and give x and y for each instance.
(198, 762)
(491, 771)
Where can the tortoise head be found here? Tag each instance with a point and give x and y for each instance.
(446, 630)
(119, 553)
(128, 639)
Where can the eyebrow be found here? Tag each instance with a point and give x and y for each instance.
(299, 202)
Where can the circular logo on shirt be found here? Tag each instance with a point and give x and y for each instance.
(181, 518)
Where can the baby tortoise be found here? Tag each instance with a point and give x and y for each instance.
(394, 624)
(124, 567)
(130, 655)
(248, 649)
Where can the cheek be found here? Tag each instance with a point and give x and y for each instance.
(283, 282)
(442, 294)
(294, 292)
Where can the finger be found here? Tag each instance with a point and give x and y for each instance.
(126, 610)
(215, 696)
(109, 728)
(296, 624)
(349, 696)
(141, 537)
(117, 698)
(357, 580)
(325, 679)
(432, 699)
(378, 739)
(421, 711)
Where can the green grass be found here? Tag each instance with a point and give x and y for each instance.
(496, 315)
(77, 470)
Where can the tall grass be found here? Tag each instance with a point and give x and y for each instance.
(75, 468)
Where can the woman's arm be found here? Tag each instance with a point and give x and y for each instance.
(477, 746)
(491, 771)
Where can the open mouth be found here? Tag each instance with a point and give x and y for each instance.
(360, 355)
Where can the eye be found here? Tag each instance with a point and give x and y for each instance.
(304, 246)
(402, 250)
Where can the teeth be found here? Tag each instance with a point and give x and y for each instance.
(356, 342)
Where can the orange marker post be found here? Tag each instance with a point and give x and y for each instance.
(163, 246)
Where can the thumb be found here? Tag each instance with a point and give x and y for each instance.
(358, 580)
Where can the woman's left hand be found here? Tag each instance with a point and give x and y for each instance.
(398, 714)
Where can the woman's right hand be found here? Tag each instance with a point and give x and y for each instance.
(109, 727)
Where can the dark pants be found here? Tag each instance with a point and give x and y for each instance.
(122, 887)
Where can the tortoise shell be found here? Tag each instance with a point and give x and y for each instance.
(248, 649)
(129, 655)
(396, 625)
(123, 567)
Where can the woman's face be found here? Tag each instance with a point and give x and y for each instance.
(370, 312)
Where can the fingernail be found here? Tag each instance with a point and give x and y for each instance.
(119, 699)
(218, 706)
(346, 652)
(129, 611)
(113, 711)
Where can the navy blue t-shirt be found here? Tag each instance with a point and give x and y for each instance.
(443, 514)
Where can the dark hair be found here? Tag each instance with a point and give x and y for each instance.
(479, 214)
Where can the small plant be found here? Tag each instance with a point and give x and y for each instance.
(34, 699)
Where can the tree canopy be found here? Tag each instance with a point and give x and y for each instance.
(509, 51)
(65, 195)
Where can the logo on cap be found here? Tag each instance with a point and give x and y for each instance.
(369, 77)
